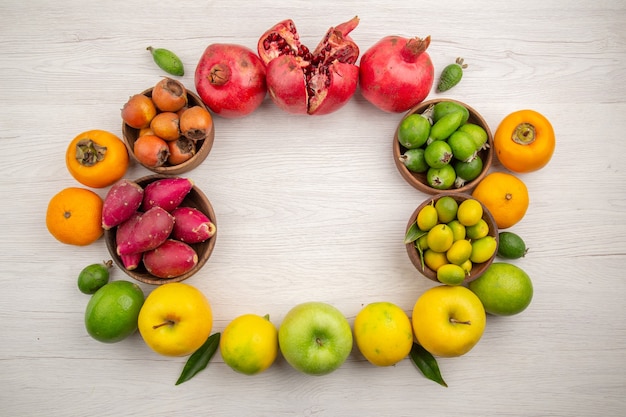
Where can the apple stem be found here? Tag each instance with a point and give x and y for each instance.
(319, 341)
(455, 321)
(165, 323)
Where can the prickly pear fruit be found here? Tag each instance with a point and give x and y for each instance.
(151, 229)
(166, 193)
(171, 259)
(191, 225)
(121, 202)
(167, 60)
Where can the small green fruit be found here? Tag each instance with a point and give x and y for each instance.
(451, 75)
(167, 60)
(504, 289)
(511, 246)
(112, 312)
(93, 277)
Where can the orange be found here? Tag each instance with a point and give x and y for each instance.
(96, 158)
(74, 216)
(505, 196)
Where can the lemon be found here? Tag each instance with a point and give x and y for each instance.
(427, 218)
(504, 289)
(483, 249)
(440, 238)
(451, 274)
(249, 344)
(458, 230)
(434, 260)
(478, 230)
(470, 212)
(459, 252)
(383, 333)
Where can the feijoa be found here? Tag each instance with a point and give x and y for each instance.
(511, 246)
(93, 277)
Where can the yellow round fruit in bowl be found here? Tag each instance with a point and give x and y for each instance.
(249, 344)
(175, 319)
(383, 333)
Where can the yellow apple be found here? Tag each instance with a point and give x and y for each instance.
(448, 320)
(176, 319)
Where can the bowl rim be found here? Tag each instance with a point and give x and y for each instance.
(203, 148)
(477, 269)
(208, 245)
(417, 180)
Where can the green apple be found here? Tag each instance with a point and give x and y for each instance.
(315, 338)
(448, 320)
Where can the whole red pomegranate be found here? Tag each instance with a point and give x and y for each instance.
(396, 73)
(230, 80)
(303, 82)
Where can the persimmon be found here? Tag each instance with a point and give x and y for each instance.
(196, 123)
(505, 196)
(166, 126)
(151, 151)
(74, 216)
(96, 158)
(524, 141)
(138, 111)
(181, 150)
(169, 95)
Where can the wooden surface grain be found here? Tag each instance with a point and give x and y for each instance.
(313, 208)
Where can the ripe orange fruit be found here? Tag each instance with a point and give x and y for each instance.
(74, 216)
(506, 197)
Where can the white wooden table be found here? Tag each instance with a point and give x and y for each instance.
(313, 208)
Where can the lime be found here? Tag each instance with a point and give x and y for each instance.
(478, 230)
(511, 246)
(467, 266)
(414, 160)
(113, 311)
(438, 154)
(483, 249)
(478, 134)
(462, 146)
(93, 277)
(440, 238)
(427, 218)
(459, 252)
(504, 289)
(458, 230)
(467, 170)
(451, 274)
(413, 131)
(434, 260)
(446, 208)
(249, 344)
(470, 212)
(441, 178)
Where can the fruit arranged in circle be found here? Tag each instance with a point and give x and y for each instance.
(175, 319)
(504, 289)
(74, 216)
(96, 158)
(112, 312)
(448, 320)
(93, 277)
(524, 141)
(506, 197)
(315, 338)
(249, 344)
(511, 246)
(383, 333)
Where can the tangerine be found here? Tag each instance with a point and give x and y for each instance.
(74, 216)
(505, 196)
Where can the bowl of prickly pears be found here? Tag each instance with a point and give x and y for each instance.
(451, 238)
(443, 145)
(158, 228)
(167, 128)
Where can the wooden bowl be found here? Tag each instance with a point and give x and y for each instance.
(203, 147)
(195, 199)
(477, 269)
(418, 180)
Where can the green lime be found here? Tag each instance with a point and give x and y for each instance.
(483, 249)
(414, 160)
(458, 230)
(441, 178)
(446, 208)
(93, 277)
(112, 312)
(444, 107)
(478, 230)
(450, 274)
(459, 252)
(504, 289)
(467, 170)
(478, 134)
(440, 238)
(462, 146)
(511, 246)
(427, 217)
(413, 131)
(470, 212)
(438, 154)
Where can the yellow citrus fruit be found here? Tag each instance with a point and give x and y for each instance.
(74, 216)
(440, 238)
(434, 260)
(427, 218)
(483, 249)
(459, 252)
(383, 333)
(505, 196)
(470, 212)
(249, 344)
